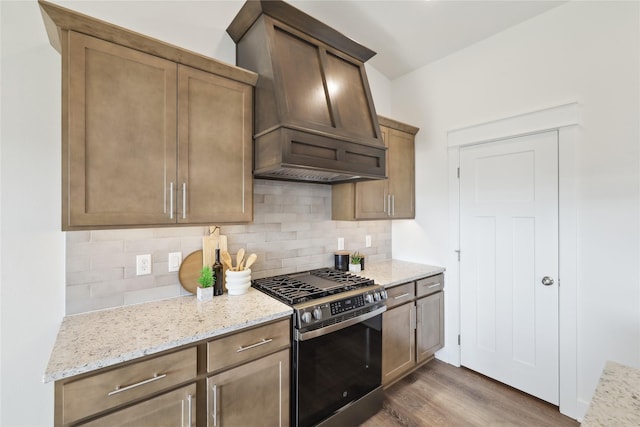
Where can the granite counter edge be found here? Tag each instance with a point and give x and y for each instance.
(105, 363)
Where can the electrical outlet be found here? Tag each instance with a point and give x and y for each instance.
(175, 258)
(367, 241)
(143, 264)
(340, 243)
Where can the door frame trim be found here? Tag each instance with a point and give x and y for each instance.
(565, 119)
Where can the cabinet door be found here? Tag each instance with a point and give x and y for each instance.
(176, 408)
(372, 196)
(401, 161)
(253, 394)
(215, 181)
(398, 342)
(430, 328)
(119, 144)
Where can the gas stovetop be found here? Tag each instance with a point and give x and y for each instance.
(324, 296)
(300, 287)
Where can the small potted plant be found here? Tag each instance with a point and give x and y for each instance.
(355, 265)
(206, 280)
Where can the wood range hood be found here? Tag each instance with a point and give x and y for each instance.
(314, 117)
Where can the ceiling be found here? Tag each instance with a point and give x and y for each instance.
(405, 34)
(410, 34)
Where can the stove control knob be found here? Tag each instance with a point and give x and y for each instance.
(383, 295)
(368, 298)
(306, 317)
(376, 296)
(317, 313)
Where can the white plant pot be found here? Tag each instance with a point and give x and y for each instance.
(355, 268)
(204, 294)
(238, 282)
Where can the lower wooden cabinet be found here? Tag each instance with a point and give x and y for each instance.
(238, 379)
(413, 327)
(174, 409)
(430, 326)
(78, 399)
(398, 342)
(253, 394)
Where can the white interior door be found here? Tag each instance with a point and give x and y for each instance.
(509, 258)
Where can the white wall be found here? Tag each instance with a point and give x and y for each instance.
(32, 246)
(582, 51)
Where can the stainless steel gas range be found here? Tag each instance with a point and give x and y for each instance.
(337, 345)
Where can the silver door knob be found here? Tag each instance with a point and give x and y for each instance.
(547, 281)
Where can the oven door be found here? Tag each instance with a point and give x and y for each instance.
(335, 366)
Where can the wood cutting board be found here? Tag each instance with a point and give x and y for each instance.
(190, 271)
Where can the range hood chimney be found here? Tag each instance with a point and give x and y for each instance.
(314, 115)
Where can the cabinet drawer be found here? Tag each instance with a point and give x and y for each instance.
(249, 345)
(430, 285)
(174, 409)
(107, 390)
(400, 294)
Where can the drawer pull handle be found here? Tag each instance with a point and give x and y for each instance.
(406, 294)
(258, 344)
(119, 389)
(434, 285)
(189, 408)
(214, 414)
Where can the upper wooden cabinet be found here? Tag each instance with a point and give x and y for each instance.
(214, 179)
(393, 198)
(152, 134)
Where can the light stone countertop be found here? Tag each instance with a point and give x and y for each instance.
(393, 272)
(616, 401)
(98, 339)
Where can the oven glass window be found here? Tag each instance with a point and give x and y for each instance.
(337, 368)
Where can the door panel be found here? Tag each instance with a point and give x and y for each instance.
(509, 242)
(214, 145)
(122, 150)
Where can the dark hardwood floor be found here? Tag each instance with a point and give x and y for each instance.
(440, 394)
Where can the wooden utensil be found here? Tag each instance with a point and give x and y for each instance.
(239, 258)
(226, 259)
(250, 260)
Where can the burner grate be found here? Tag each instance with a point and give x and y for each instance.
(293, 291)
(348, 279)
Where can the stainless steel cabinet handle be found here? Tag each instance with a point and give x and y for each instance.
(214, 414)
(258, 344)
(189, 403)
(384, 204)
(171, 200)
(406, 294)
(389, 204)
(119, 389)
(434, 285)
(414, 318)
(393, 205)
(184, 200)
(547, 281)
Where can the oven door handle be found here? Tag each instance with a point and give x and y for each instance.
(304, 336)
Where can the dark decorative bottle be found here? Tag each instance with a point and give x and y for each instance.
(217, 274)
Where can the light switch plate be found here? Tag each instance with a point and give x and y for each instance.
(175, 258)
(340, 243)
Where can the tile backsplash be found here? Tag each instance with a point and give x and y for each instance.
(292, 231)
